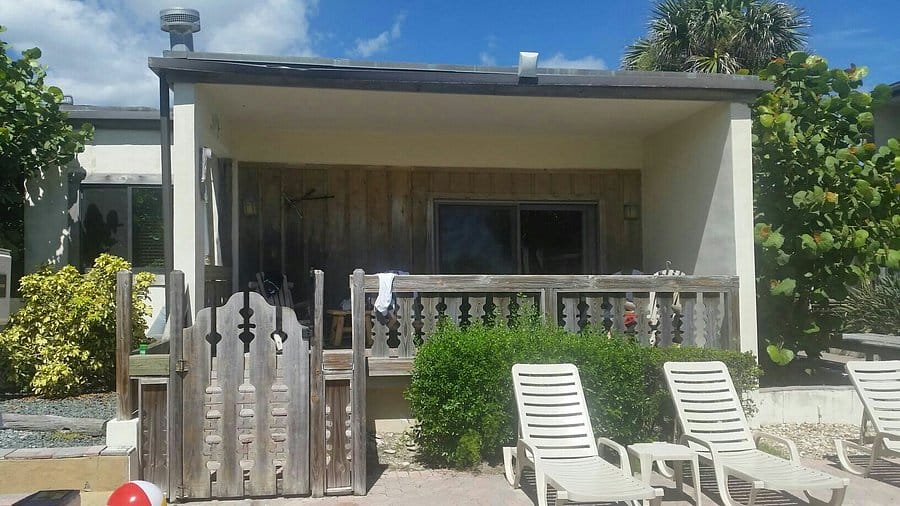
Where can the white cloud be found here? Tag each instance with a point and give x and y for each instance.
(559, 61)
(487, 59)
(97, 50)
(365, 48)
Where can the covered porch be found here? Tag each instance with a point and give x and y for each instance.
(455, 183)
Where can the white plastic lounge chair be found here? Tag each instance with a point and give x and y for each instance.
(556, 440)
(878, 385)
(713, 423)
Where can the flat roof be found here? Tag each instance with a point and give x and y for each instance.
(103, 116)
(223, 68)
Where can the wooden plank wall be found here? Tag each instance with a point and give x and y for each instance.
(153, 434)
(379, 217)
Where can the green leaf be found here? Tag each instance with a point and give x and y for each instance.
(784, 287)
(867, 119)
(779, 355)
(797, 58)
(767, 120)
(881, 95)
(859, 238)
(893, 259)
(31, 54)
(808, 243)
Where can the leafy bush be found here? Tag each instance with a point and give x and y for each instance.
(63, 339)
(461, 388)
(873, 307)
(826, 196)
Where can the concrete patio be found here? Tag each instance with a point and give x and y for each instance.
(444, 487)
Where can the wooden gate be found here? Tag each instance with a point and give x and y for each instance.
(239, 390)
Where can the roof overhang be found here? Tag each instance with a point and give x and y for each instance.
(425, 78)
(126, 118)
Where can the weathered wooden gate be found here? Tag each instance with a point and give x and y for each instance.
(239, 391)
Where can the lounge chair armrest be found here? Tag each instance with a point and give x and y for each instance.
(624, 462)
(521, 446)
(792, 448)
(687, 438)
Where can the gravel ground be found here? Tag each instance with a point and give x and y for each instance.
(101, 406)
(397, 451)
(814, 440)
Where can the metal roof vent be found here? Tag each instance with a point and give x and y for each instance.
(181, 24)
(528, 65)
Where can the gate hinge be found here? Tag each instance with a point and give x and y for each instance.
(181, 366)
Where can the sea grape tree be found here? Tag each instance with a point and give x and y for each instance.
(827, 199)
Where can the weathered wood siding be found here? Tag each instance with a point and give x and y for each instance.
(379, 218)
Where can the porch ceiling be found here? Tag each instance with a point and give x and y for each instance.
(400, 112)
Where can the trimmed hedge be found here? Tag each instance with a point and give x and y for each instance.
(461, 387)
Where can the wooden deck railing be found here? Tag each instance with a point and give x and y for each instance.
(704, 313)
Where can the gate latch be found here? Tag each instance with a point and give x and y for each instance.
(181, 366)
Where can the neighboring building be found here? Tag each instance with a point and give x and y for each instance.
(107, 200)
(887, 119)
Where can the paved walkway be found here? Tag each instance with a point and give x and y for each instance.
(440, 487)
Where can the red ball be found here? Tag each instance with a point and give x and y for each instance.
(137, 493)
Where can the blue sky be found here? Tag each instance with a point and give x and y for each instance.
(104, 61)
(461, 32)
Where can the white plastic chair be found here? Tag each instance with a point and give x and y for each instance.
(878, 385)
(556, 440)
(713, 423)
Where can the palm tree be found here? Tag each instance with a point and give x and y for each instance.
(717, 36)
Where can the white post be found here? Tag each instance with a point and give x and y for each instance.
(189, 209)
(740, 148)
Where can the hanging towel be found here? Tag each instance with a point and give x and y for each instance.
(385, 289)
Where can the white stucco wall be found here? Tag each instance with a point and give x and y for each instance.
(507, 149)
(51, 207)
(887, 122)
(196, 124)
(50, 203)
(698, 202)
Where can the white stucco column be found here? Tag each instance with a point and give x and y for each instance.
(697, 198)
(740, 148)
(188, 223)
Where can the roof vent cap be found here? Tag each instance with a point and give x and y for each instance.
(528, 64)
(181, 24)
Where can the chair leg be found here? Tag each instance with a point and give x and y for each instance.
(837, 497)
(841, 446)
(695, 481)
(520, 464)
(678, 466)
(540, 488)
(562, 497)
(724, 494)
(753, 492)
(508, 456)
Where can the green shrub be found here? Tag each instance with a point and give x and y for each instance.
(63, 339)
(873, 307)
(461, 386)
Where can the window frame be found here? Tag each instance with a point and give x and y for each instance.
(590, 230)
(128, 188)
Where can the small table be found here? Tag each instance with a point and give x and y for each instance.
(647, 453)
(338, 318)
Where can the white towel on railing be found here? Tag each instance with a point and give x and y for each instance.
(385, 292)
